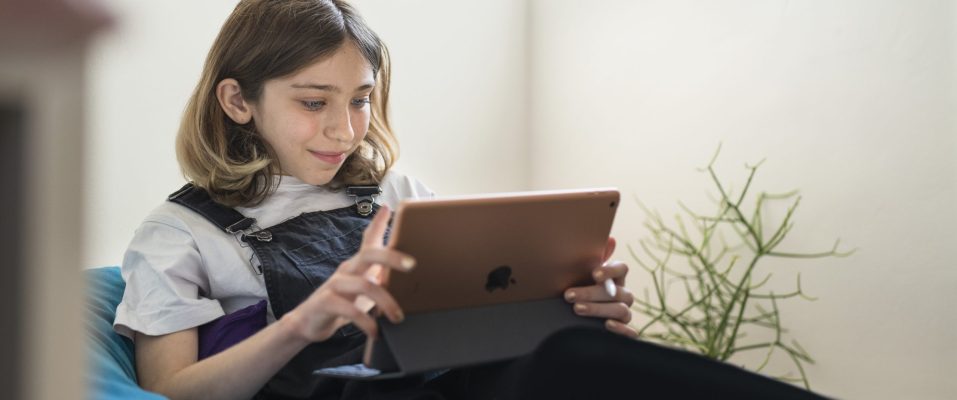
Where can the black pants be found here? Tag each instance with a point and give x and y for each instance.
(596, 364)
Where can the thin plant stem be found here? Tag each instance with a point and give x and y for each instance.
(721, 297)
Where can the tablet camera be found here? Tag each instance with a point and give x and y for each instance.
(499, 278)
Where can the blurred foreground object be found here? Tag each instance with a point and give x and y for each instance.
(43, 45)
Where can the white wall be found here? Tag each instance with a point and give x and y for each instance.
(140, 76)
(850, 101)
(459, 88)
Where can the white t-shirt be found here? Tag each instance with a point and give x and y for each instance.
(181, 271)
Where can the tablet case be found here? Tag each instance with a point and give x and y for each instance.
(509, 323)
(456, 338)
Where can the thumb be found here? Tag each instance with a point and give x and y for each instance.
(609, 248)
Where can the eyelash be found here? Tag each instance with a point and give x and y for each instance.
(315, 105)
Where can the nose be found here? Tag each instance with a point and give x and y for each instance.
(338, 126)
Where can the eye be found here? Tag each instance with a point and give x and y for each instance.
(361, 102)
(313, 105)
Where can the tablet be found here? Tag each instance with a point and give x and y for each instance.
(484, 250)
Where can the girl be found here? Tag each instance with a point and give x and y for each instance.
(254, 274)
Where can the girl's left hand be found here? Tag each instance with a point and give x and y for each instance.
(594, 301)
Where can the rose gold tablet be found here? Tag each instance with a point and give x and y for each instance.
(493, 249)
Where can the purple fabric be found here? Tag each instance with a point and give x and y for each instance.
(223, 332)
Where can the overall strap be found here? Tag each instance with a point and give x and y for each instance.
(197, 199)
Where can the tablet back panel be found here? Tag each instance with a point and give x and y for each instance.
(479, 251)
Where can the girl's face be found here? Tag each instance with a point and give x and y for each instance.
(316, 117)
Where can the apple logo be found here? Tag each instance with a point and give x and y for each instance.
(499, 278)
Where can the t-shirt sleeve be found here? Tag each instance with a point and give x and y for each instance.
(419, 189)
(400, 187)
(165, 283)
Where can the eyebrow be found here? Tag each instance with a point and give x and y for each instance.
(330, 88)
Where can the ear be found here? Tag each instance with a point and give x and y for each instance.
(231, 100)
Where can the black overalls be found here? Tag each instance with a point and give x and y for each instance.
(296, 257)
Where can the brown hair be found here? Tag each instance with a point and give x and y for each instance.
(263, 40)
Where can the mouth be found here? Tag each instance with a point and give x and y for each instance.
(331, 157)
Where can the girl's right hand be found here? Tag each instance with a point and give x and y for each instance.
(334, 304)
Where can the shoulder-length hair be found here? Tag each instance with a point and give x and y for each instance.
(263, 40)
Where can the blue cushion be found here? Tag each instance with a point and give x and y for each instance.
(112, 372)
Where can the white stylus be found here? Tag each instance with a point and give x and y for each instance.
(610, 288)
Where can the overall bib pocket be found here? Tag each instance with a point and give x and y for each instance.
(318, 260)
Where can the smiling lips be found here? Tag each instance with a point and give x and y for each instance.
(329, 157)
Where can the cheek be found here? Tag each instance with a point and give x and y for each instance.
(360, 124)
(297, 129)
(282, 128)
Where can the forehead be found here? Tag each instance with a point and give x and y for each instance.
(346, 66)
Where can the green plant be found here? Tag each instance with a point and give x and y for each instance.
(722, 296)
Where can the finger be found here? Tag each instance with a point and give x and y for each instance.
(621, 329)
(348, 312)
(352, 286)
(375, 232)
(368, 257)
(597, 293)
(609, 249)
(374, 274)
(615, 270)
(615, 311)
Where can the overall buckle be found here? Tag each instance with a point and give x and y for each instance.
(365, 197)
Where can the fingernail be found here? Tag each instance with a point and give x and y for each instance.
(408, 262)
(610, 288)
(580, 307)
(599, 274)
(610, 323)
(400, 316)
(570, 296)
